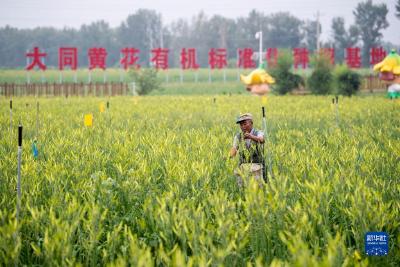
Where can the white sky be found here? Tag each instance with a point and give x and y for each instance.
(74, 13)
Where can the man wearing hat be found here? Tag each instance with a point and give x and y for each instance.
(248, 143)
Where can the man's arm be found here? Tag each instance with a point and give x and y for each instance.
(233, 152)
(235, 147)
(255, 138)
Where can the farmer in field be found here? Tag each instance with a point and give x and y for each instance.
(249, 144)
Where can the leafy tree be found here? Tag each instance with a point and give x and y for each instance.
(144, 31)
(320, 80)
(202, 33)
(347, 81)
(284, 30)
(49, 40)
(194, 33)
(12, 47)
(343, 38)
(198, 36)
(286, 81)
(179, 30)
(310, 34)
(221, 33)
(247, 28)
(146, 80)
(370, 20)
(97, 34)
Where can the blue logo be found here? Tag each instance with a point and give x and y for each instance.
(376, 243)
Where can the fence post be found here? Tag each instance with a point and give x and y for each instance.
(370, 83)
(97, 89)
(133, 88)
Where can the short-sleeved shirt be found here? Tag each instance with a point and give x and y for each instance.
(247, 141)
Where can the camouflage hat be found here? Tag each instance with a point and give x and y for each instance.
(243, 117)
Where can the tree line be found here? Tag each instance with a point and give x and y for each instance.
(145, 30)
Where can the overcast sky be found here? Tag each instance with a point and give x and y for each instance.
(74, 13)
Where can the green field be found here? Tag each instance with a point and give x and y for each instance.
(150, 183)
(200, 82)
(116, 75)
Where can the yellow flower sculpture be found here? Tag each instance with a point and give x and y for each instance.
(258, 81)
(389, 71)
(389, 68)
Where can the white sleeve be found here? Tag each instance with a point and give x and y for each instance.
(236, 142)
